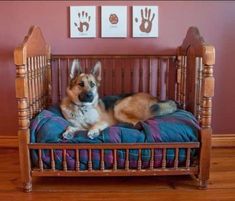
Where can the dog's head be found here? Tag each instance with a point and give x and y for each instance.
(83, 88)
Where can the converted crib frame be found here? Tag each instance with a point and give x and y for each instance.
(190, 83)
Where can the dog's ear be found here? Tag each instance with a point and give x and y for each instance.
(96, 71)
(75, 69)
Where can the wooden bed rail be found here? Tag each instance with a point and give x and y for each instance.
(159, 145)
(187, 167)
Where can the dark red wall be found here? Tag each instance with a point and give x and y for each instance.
(215, 20)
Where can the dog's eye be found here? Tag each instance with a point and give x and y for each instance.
(92, 84)
(81, 84)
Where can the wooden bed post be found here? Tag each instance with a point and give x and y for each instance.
(196, 89)
(23, 116)
(33, 91)
(207, 93)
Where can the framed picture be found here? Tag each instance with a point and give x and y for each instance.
(82, 21)
(114, 21)
(145, 21)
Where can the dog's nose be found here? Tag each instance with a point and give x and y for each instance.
(86, 97)
(89, 95)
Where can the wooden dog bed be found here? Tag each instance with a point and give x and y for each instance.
(186, 77)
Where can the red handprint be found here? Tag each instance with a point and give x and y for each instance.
(84, 20)
(146, 23)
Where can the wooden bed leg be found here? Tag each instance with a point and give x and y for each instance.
(27, 187)
(202, 184)
(25, 166)
(206, 114)
(205, 154)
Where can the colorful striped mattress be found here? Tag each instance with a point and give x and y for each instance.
(180, 126)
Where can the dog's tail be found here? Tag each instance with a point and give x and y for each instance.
(163, 107)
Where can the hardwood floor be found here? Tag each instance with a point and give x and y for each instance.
(172, 188)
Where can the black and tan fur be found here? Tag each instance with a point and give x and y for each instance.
(85, 111)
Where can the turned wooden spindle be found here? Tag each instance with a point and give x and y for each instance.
(35, 81)
(40, 160)
(172, 91)
(166, 78)
(127, 160)
(149, 78)
(114, 159)
(89, 159)
(176, 161)
(52, 160)
(139, 159)
(30, 87)
(48, 76)
(102, 160)
(179, 78)
(67, 71)
(152, 159)
(159, 86)
(183, 82)
(164, 158)
(32, 90)
(45, 82)
(188, 161)
(65, 160)
(77, 165)
(59, 81)
(140, 74)
(199, 66)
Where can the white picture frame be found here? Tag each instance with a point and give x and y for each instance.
(114, 21)
(82, 21)
(145, 21)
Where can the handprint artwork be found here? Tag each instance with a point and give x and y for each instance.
(83, 22)
(146, 23)
(113, 21)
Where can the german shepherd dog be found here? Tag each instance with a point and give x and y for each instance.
(85, 111)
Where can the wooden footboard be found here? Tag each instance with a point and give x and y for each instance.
(187, 78)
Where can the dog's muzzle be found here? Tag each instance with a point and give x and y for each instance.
(86, 97)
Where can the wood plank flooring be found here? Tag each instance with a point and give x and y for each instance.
(172, 188)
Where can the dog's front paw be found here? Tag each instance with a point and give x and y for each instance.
(67, 135)
(93, 133)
